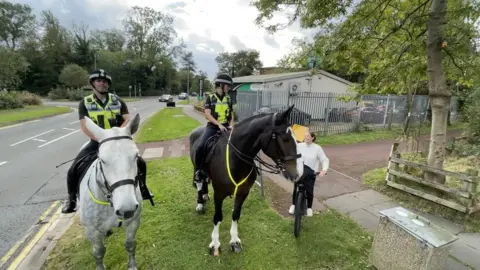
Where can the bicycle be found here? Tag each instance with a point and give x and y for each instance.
(300, 205)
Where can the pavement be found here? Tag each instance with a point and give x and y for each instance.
(31, 187)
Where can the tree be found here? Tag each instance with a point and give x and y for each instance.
(81, 46)
(188, 64)
(16, 22)
(12, 68)
(73, 75)
(150, 33)
(240, 63)
(110, 39)
(386, 40)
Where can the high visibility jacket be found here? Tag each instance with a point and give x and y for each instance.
(221, 108)
(104, 117)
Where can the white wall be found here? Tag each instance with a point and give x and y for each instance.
(276, 93)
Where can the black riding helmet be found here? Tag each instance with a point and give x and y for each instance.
(100, 73)
(223, 79)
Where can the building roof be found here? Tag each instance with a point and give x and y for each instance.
(266, 78)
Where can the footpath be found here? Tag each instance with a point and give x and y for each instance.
(342, 190)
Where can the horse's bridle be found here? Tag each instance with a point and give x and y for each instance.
(279, 162)
(107, 188)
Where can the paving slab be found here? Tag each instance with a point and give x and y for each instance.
(375, 209)
(346, 203)
(150, 153)
(453, 264)
(365, 218)
(371, 196)
(467, 249)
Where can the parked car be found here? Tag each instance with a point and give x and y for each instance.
(183, 96)
(369, 115)
(296, 116)
(165, 98)
(340, 115)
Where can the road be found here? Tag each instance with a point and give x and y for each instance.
(29, 180)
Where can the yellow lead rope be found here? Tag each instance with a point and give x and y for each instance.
(228, 168)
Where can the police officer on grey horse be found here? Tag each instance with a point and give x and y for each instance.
(107, 110)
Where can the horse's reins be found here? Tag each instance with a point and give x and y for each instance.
(278, 167)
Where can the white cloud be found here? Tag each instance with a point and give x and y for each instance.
(229, 23)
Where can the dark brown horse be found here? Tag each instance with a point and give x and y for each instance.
(230, 164)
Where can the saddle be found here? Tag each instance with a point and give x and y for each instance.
(210, 145)
(81, 167)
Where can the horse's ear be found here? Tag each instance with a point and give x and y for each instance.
(286, 113)
(97, 131)
(133, 125)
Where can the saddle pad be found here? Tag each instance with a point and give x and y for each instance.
(81, 167)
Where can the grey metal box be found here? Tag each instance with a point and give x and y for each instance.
(404, 240)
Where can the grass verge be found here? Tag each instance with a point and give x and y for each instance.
(173, 236)
(375, 179)
(8, 117)
(128, 99)
(377, 134)
(167, 124)
(184, 102)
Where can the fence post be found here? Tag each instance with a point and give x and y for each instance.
(327, 111)
(386, 111)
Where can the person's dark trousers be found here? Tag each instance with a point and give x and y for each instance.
(209, 131)
(308, 178)
(73, 179)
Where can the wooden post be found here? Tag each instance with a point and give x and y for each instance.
(392, 165)
(471, 188)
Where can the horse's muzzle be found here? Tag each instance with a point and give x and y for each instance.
(126, 214)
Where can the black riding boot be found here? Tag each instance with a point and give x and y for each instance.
(70, 205)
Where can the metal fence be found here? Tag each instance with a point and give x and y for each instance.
(329, 113)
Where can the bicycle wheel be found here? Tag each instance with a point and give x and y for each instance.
(299, 209)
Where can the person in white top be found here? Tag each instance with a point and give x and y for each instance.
(312, 155)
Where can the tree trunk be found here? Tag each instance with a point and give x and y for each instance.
(437, 89)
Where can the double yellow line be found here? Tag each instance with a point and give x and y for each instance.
(54, 211)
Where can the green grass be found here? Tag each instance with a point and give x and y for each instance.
(375, 179)
(377, 134)
(167, 124)
(128, 99)
(184, 102)
(8, 117)
(173, 236)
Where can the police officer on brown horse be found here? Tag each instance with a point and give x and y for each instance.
(219, 113)
(106, 110)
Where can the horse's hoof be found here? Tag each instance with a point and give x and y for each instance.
(215, 251)
(200, 209)
(108, 233)
(236, 247)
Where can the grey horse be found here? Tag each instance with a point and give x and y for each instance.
(108, 191)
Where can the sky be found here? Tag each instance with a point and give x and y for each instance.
(208, 27)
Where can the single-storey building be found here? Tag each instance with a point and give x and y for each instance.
(300, 88)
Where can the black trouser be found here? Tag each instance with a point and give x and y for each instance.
(73, 178)
(209, 131)
(308, 179)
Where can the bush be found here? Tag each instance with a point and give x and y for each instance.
(27, 98)
(473, 116)
(58, 93)
(8, 101)
(15, 99)
(76, 94)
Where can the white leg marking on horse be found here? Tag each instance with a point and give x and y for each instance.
(234, 232)
(199, 185)
(199, 207)
(216, 236)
